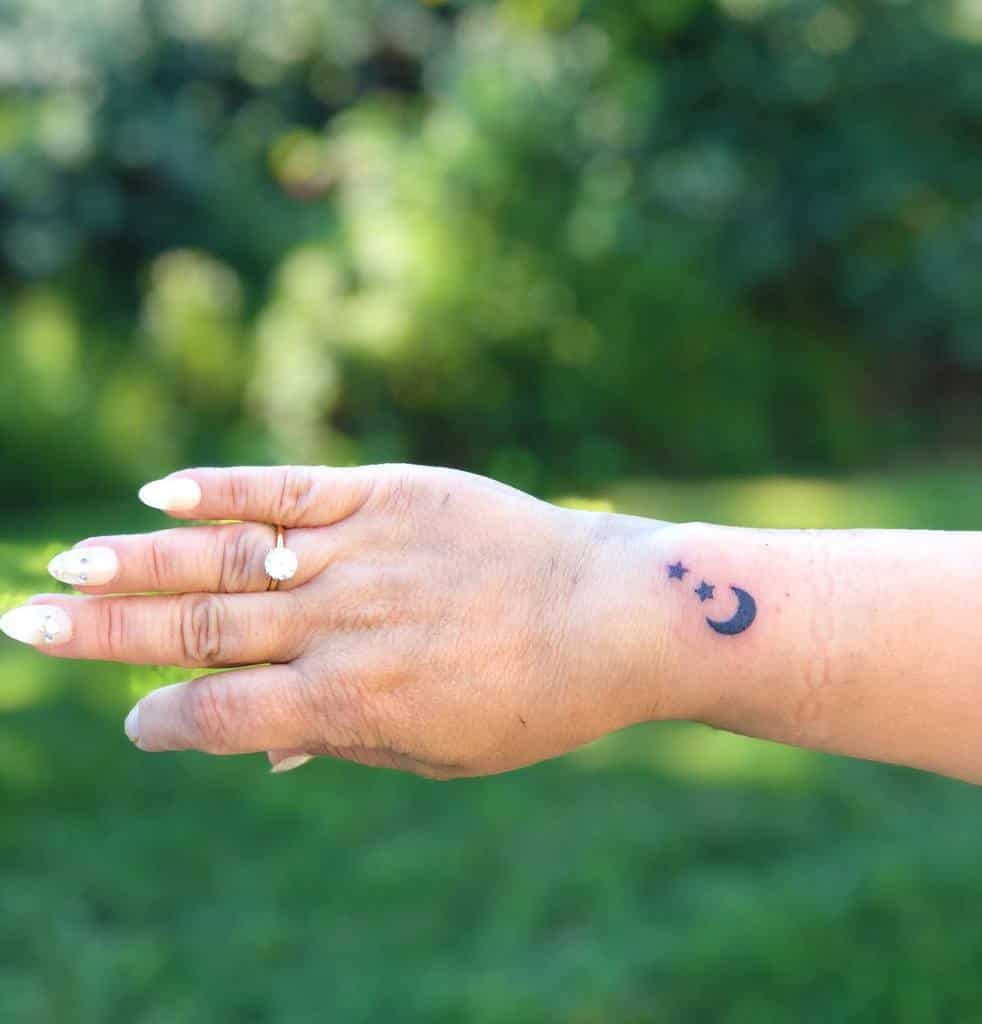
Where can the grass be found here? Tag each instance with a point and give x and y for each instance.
(668, 873)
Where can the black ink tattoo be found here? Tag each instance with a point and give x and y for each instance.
(741, 620)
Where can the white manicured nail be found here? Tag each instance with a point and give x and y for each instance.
(132, 724)
(289, 763)
(39, 624)
(172, 494)
(85, 566)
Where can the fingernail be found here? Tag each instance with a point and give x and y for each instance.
(39, 624)
(85, 566)
(289, 763)
(132, 724)
(172, 494)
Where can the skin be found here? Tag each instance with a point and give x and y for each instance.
(448, 625)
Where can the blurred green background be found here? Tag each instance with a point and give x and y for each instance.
(693, 259)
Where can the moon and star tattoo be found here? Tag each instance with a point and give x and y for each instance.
(739, 622)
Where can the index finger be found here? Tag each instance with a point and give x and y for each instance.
(287, 495)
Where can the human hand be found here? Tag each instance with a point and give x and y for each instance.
(438, 622)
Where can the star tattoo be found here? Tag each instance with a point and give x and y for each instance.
(739, 622)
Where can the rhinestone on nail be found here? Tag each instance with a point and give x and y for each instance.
(47, 633)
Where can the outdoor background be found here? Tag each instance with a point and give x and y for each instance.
(716, 260)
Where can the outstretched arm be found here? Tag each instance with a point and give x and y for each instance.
(863, 642)
(446, 624)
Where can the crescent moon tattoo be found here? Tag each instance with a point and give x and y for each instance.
(743, 619)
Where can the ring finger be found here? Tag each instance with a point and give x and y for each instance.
(227, 558)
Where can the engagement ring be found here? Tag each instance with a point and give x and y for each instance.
(281, 562)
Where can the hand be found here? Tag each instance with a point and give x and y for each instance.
(438, 622)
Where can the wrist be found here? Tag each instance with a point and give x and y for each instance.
(746, 653)
(672, 662)
(668, 616)
(630, 627)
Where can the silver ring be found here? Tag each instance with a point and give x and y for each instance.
(281, 563)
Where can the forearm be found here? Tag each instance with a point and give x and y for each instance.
(857, 642)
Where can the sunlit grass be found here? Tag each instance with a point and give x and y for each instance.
(25, 678)
(697, 753)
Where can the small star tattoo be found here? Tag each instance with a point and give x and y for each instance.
(677, 571)
(705, 591)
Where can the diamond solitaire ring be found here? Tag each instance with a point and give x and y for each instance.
(281, 562)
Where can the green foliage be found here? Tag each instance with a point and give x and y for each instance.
(665, 874)
(551, 240)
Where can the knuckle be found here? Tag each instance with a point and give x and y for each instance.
(156, 564)
(297, 496)
(114, 629)
(207, 715)
(200, 629)
(239, 556)
(376, 602)
(239, 492)
(360, 611)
